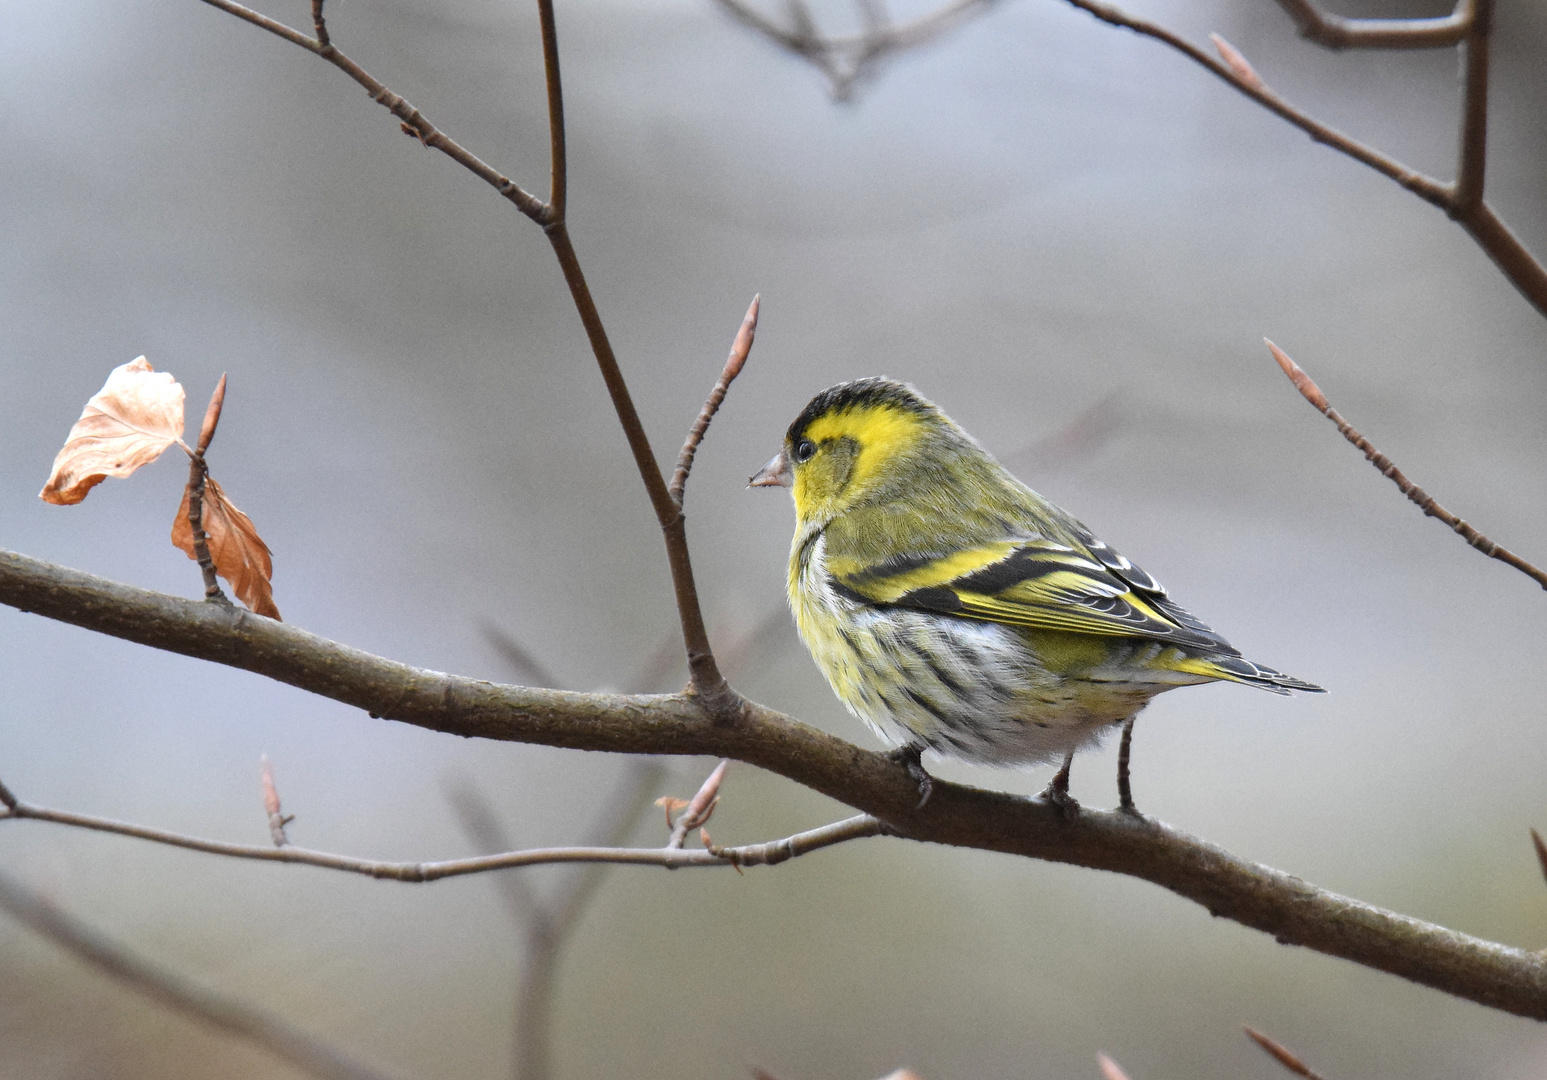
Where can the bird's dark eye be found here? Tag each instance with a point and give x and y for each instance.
(804, 449)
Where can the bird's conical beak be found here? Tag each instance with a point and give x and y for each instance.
(775, 474)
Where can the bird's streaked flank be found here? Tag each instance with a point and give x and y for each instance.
(954, 609)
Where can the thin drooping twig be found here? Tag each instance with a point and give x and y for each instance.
(1462, 201)
(846, 59)
(546, 923)
(198, 473)
(1337, 32)
(271, 807)
(740, 347)
(258, 1026)
(1289, 908)
(705, 676)
(769, 853)
(1280, 1053)
(1387, 468)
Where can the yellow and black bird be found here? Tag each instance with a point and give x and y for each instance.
(954, 609)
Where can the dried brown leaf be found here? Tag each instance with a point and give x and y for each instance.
(672, 804)
(1110, 1069)
(238, 552)
(136, 415)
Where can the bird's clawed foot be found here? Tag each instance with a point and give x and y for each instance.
(910, 757)
(1057, 791)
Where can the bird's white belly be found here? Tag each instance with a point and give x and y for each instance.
(961, 687)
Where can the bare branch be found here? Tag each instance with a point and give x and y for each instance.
(672, 858)
(1337, 32)
(1462, 201)
(1473, 155)
(257, 1026)
(1387, 468)
(1287, 907)
(1281, 1054)
(740, 347)
(705, 675)
(558, 162)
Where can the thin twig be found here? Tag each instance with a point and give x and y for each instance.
(320, 23)
(546, 923)
(1287, 907)
(258, 1026)
(1461, 201)
(558, 163)
(740, 347)
(271, 806)
(846, 59)
(526, 667)
(699, 808)
(1472, 162)
(672, 858)
(1281, 1054)
(1387, 468)
(1541, 850)
(709, 685)
(1337, 32)
(427, 133)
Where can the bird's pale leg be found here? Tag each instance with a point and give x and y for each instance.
(1124, 748)
(1057, 791)
(910, 757)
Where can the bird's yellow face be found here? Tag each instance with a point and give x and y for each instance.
(842, 443)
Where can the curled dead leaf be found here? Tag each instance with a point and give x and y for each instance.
(136, 415)
(238, 552)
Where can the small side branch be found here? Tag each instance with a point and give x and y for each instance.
(258, 1026)
(672, 858)
(740, 348)
(1337, 32)
(1387, 468)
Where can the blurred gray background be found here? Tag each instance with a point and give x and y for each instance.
(1025, 219)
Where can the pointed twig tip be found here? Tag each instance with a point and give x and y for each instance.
(1541, 850)
(1109, 1068)
(1303, 382)
(1238, 64)
(212, 415)
(1280, 1053)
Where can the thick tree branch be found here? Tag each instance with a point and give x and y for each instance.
(1388, 468)
(258, 1026)
(1292, 910)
